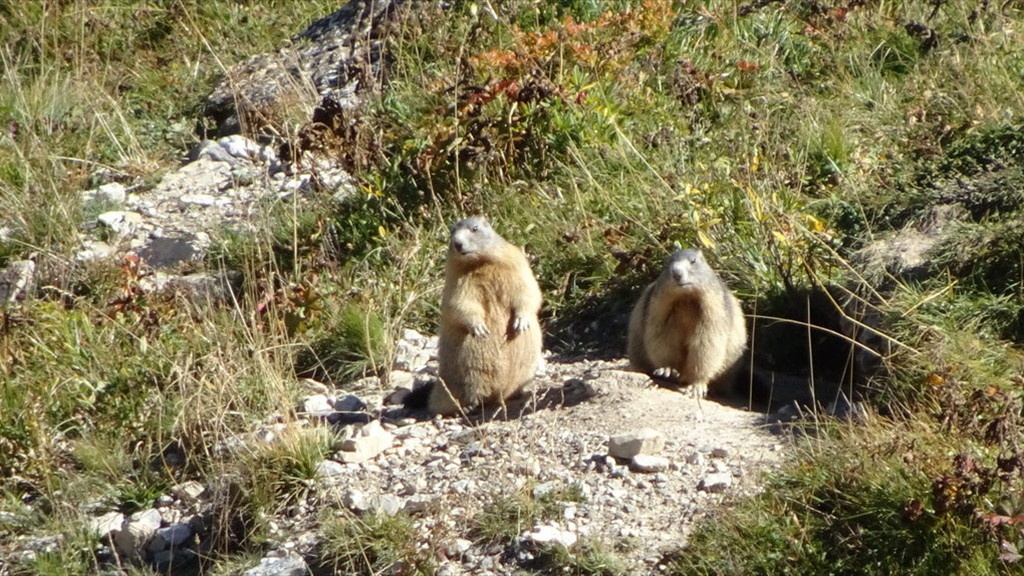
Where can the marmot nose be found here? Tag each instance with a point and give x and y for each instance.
(457, 244)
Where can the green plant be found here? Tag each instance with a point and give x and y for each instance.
(587, 558)
(868, 513)
(508, 514)
(283, 469)
(372, 544)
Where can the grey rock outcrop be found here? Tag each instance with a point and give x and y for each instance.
(329, 59)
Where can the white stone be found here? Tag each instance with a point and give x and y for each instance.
(315, 387)
(239, 146)
(212, 151)
(137, 532)
(203, 174)
(329, 469)
(716, 482)
(94, 250)
(645, 441)
(648, 464)
(123, 223)
(109, 523)
(545, 534)
(112, 192)
(457, 547)
(317, 404)
(268, 155)
(409, 356)
(289, 565)
(401, 379)
(412, 335)
(356, 500)
(198, 199)
(368, 442)
(543, 489)
(418, 504)
(384, 504)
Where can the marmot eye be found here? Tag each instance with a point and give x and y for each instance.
(476, 228)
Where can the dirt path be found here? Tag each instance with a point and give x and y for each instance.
(555, 439)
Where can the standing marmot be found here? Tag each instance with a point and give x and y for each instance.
(489, 341)
(688, 327)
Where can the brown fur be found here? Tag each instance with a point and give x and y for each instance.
(688, 327)
(490, 339)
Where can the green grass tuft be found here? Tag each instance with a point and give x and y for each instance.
(373, 544)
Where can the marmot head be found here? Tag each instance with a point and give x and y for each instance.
(470, 236)
(686, 267)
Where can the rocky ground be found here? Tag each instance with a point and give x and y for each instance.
(636, 464)
(646, 462)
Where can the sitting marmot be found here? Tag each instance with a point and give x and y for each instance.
(688, 328)
(490, 340)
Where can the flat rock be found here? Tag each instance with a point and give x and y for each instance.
(239, 146)
(329, 469)
(418, 504)
(94, 250)
(716, 482)
(316, 404)
(546, 535)
(290, 565)
(643, 441)
(457, 547)
(123, 223)
(384, 504)
(647, 464)
(355, 500)
(137, 532)
(369, 441)
(109, 523)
